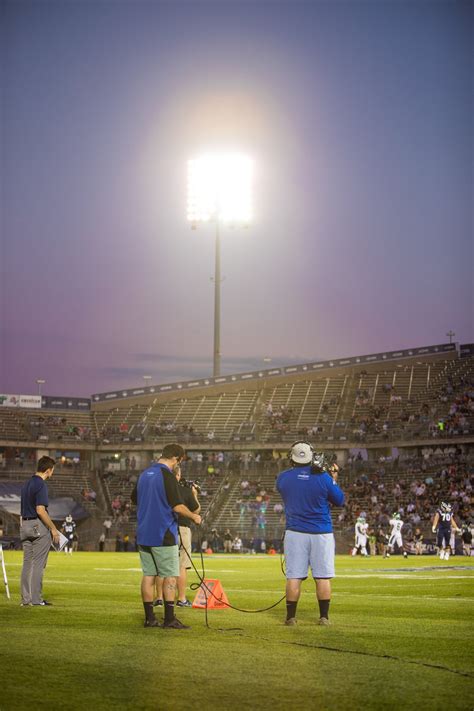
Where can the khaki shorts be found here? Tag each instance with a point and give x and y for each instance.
(159, 560)
(185, 547)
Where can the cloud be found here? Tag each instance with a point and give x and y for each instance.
(174, 368)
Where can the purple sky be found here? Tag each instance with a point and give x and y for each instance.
(360, 120)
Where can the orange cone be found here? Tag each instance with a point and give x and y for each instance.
(214, 592)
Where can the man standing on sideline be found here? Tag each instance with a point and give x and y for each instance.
(36, 532)
(307, 489)
(189, 494)
(158, 498)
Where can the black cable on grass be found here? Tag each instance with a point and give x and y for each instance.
(202, 576)
(391, 657)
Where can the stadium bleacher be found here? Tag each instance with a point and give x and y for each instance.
(408, 404)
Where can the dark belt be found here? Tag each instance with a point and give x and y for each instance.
(29, 518)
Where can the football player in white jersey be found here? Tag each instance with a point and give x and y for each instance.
(395, 536)
(361, 528)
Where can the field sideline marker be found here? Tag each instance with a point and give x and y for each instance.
(5, 579)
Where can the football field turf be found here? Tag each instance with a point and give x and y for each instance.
(401, 637)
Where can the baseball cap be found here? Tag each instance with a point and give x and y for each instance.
(301, 453)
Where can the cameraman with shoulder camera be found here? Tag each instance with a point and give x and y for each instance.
(308, 489)
(190, 499)
(159, 501)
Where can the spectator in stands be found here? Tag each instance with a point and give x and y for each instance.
(215, 541)
(107, 525)
(228, 541)
(116, 506)
(466, 537)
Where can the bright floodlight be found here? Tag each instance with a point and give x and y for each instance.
(219, 188)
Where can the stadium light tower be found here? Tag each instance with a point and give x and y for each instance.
(219, 191)
(39, 383)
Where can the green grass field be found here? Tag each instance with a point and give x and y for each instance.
(401, 637)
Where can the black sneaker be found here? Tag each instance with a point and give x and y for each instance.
(152, 623)
(43, 603)
(158, 603)
(175, 625)
(184, 603)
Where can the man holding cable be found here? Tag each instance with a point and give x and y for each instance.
(189, 494)
(159, 501)
(308, 489)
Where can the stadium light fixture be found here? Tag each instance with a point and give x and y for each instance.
(220, 188)
(40, 382)
(219, 191)
(147, 379)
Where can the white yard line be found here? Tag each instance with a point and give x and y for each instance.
(275, 592)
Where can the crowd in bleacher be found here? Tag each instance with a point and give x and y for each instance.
(44, 427)
(279, 417)
(414, 489)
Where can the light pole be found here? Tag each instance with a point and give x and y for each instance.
(147, 379)
(219, 191)
(40, 382)
(216, 365)
(450, 335)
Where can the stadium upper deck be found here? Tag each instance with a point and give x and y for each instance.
(386, 397)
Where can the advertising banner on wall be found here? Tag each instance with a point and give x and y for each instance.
(9, 400)
(28, 401)
(66, 403)
(51, 403)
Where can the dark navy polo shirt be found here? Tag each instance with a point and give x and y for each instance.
(33, 493)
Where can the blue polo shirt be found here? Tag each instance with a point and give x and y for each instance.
(157, 492)
(307, 499)
(33, 493)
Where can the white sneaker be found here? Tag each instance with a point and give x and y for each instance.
(441, 555)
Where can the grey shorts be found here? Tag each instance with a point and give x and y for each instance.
(305, 550)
